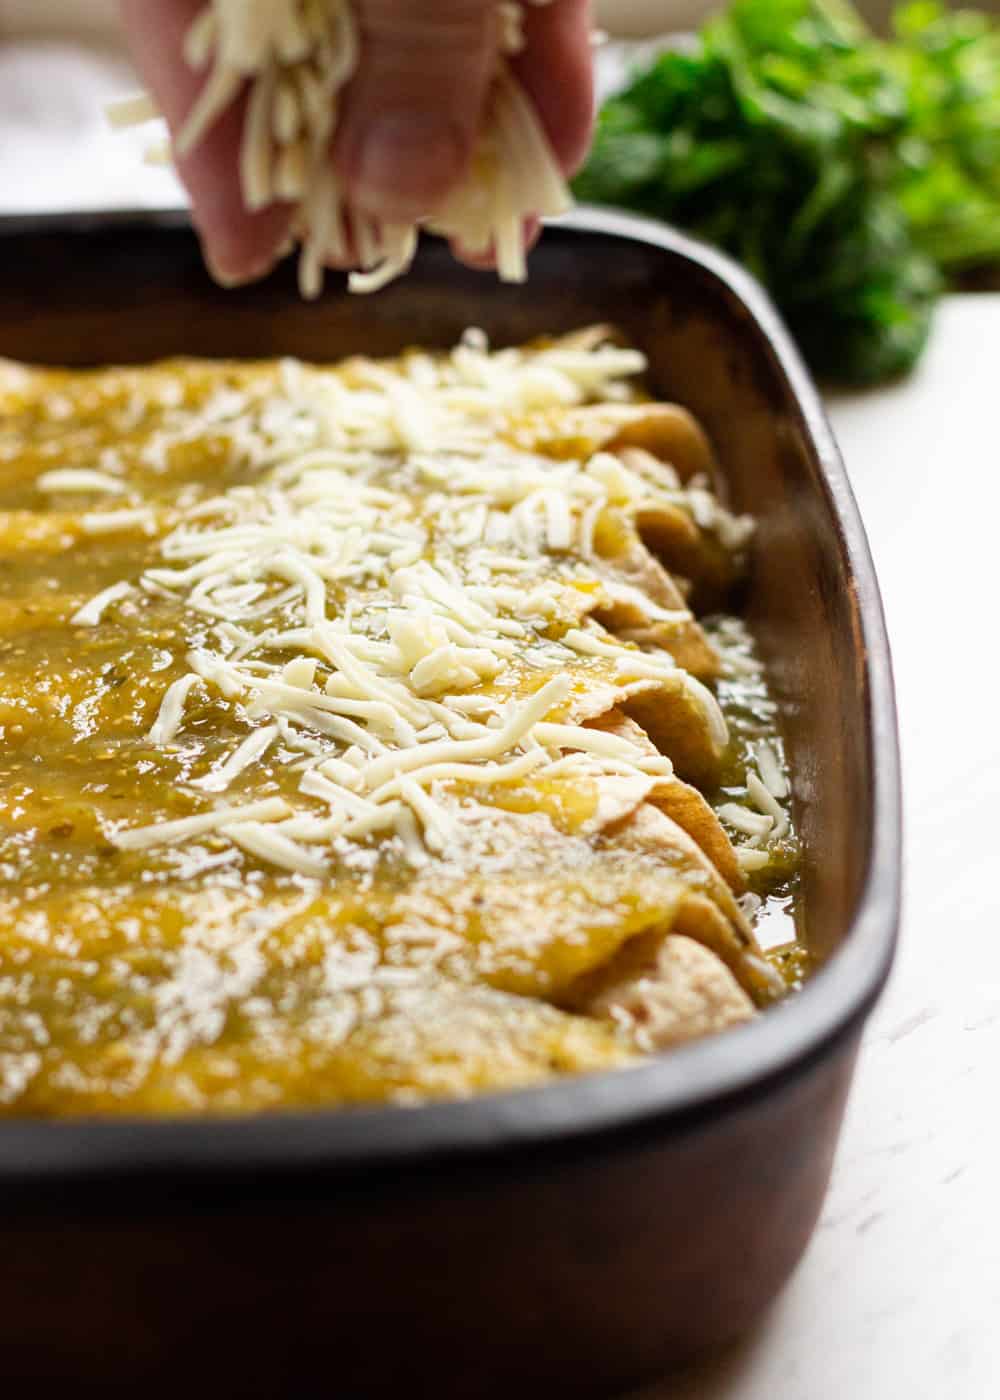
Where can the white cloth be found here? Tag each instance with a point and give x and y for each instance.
(57, 150)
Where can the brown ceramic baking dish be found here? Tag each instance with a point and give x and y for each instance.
(572, 1239)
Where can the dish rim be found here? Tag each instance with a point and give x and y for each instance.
(686, 1088)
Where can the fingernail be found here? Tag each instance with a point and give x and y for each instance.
(406, 163)
(230, 275)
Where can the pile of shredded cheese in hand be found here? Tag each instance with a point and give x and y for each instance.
(296, 57)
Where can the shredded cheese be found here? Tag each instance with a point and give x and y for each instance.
(752, 860)
(141, 838)
(762, 815)
(295, 57)
(770, 770)
(101, 522)
(394, 603)
(251, 751)
(79, 479)
(132, 111)
(274, 847)
(766, 803)
(171, 713)
(92, 612)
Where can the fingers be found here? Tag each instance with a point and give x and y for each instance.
(484, 261)
(556, 68)
(410, 116)
(412, 113)
(239, 246)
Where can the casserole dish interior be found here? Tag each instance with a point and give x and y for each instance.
(131, 289)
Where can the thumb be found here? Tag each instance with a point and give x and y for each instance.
(412, 113)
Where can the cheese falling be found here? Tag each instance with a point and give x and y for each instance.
(296, 56)
(390, 560)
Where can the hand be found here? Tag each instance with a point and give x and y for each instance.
(409, 119)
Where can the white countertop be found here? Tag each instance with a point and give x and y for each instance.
(899, 1293)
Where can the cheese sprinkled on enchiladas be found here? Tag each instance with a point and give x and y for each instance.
(370, 732)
